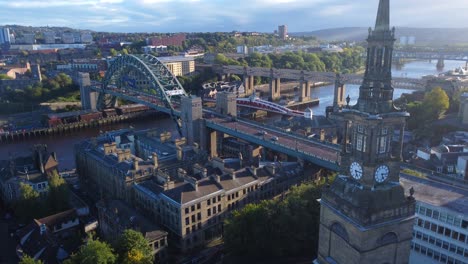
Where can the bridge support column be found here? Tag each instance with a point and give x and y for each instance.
(305, 91)
(213, 144)
(226, 103)
(440, 63)
(88, 97)
(248, 84)
(192, 118)
(275, 89)
(339, 97)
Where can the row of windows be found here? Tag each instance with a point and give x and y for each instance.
(442, 258)
(198, 206)
(452, 234)
(442, 216)
(208, 211)
(193, 229)
(233, 195)
(441, 244)
(194, 219)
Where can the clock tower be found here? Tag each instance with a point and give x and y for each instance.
(365, 215)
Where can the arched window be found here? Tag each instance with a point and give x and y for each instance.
(338, 229)
(389, 238)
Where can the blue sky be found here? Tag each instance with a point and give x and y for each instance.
(227, 15)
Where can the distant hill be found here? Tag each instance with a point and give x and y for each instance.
(424, 36)
(30, 29)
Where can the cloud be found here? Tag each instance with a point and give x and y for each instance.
(336, 10)
(226, 15)
(55, 3)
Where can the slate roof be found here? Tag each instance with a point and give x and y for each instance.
(184, 193)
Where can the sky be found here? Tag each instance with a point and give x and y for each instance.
(227, 15)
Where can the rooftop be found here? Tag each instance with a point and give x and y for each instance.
(174, 59)
(437, 194)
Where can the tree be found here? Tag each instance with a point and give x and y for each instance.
(113, 52)
(94, 252)
(436, 103)
(5, 77)
(277, 228)
(29, 203)
(29, 260)
(132, 247)
(58, 193)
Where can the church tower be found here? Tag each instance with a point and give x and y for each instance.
(365, 216)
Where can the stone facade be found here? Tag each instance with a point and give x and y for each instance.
(193, 204)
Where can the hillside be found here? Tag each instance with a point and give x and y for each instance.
(424, 36)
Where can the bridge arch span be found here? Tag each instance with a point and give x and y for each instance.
(141, 79)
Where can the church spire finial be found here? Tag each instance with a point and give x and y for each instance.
(383, 16)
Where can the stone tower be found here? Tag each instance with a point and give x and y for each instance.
(192, 117)
(365, 216)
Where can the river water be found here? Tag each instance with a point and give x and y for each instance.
(414, 69)
(63, 145)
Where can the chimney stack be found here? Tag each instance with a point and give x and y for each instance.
(120, 156)
(41, 162)
(136, 166)
(192, 181)
(128, 154)
(155, 160)
(107, 149)
(179, 153)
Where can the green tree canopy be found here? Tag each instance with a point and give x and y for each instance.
(94, 252)
(276, 228)
(113, 52)
(29, 260)
(132, 247)
(29, 203)
(5, 77)
(436, 102)
(58, 193)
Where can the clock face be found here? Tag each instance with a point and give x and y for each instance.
(356, 170)
(381, 173)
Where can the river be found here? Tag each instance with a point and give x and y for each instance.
(63, 145)
(413, 69)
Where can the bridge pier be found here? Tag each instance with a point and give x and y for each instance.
(440, 63)
(213, 144)
(275, 89)
(192, 117)
(339, 97)
(249, 84)
(305, 89)
(89, 98)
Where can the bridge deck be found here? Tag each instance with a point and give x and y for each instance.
(322, 154)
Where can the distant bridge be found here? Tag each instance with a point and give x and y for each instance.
(305, 78)
(259, 104)
(431, 55)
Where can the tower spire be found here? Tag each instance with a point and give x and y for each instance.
(383, 16)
